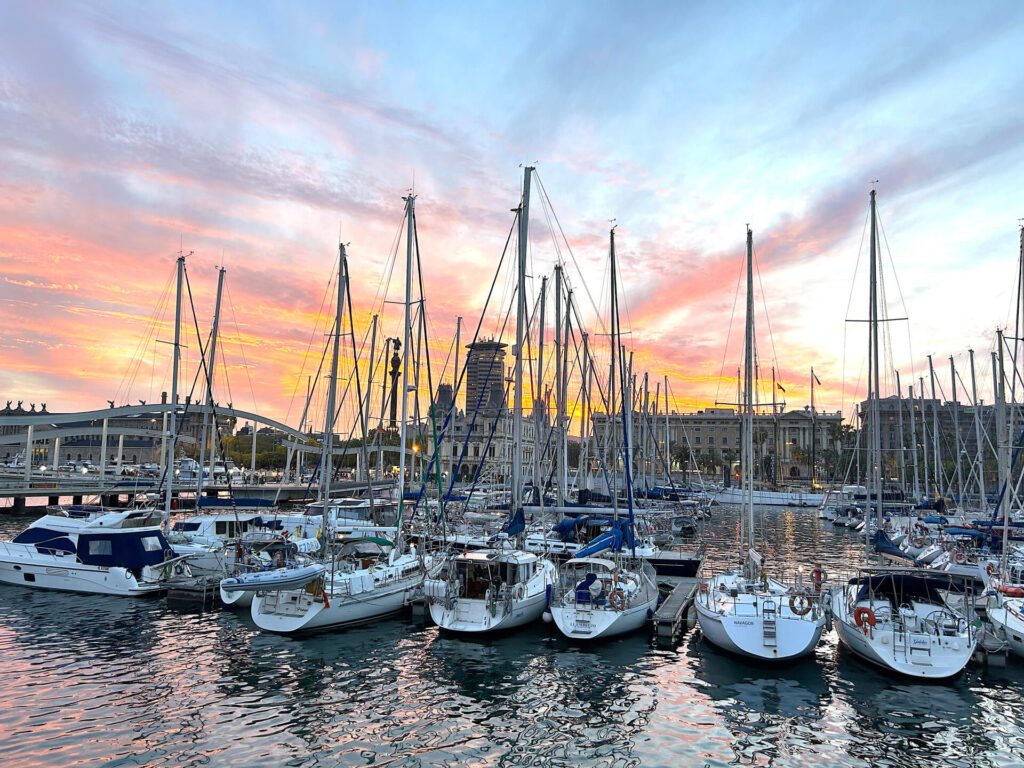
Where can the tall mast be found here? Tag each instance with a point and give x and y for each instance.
(899, 432)
(173, 426)
(365, 474)
(875, 456)
(924, 431)
(747, 447)
(956, 436)
(211, 367)
(979, 456)
(814, 431)
(559, 431)
(410, 239)
(517, 409)
(668, 437)
(913, 440)
(939, 472)
(327, 459)
(539, 402)
(612, 384)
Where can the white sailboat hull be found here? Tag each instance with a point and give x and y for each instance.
(744, 635)
(1008, 619)
(590, 623)
(471, 616)
(295, 611)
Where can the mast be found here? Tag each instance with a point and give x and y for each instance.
(775, 433)
(410, 236)
(814, 431)
(668, 437)
(365, 474)
(586, 373)
(173, 426)
(560, 349)
(517, 408)
(612, 386)
(924, 431)
(211, 366)
(939, 473)
(956, 436)
(875, 464)
(539, 402)
(327, 458)
(913, 440)
(979, 456)
(747, 446)
(899, 432)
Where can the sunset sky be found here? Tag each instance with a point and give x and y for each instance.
(255, 135)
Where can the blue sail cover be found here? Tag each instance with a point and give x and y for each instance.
(516, 523)
(884, 546)
(609, 540)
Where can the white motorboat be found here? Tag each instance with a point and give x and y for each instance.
(600, 597)
(116, 553)
(905, 620)
(489, 590)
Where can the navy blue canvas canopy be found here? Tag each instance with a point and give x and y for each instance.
(905, 587)
(130, 549)
(47, 542)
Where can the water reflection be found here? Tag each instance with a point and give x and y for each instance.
(108, 681)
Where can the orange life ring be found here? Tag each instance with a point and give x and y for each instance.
(799, 604)
(704, 586)
(990, 569)
(959, 557)
(864, 617)
(617, 600)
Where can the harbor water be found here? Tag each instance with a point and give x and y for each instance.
(97, 681)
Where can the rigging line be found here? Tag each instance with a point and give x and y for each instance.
(849, 303)
(597, 314)
(764, 304)
(728, 333)
(430, 383)
(241, 348)
(305, 356)
(128, 378)
(476, 334)
(899, 291)
(314, 391)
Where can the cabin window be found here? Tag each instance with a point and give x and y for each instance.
(222, 527)
(151, 543)
(100, 547)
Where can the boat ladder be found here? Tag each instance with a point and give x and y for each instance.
(769, 615)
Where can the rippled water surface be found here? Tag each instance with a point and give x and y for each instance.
(94, 681)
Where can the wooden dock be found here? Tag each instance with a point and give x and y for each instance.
(673, 615)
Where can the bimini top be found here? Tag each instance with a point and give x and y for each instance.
(903, 587)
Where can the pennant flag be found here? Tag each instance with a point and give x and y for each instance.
(816, 378)
(780, 387)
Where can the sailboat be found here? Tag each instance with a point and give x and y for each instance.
(504, 586)
(355, 587)
(598, 597)
(743, 610)
(899, 619)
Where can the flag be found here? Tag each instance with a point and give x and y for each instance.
(780, 387)
(816, 379)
